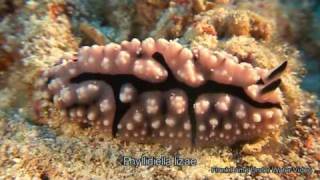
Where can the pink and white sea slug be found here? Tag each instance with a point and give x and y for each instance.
(157, 91)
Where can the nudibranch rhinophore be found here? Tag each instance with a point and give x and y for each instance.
(157, 91)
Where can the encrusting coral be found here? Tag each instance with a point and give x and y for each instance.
(238, 23)
(93, 87)
(8, 7)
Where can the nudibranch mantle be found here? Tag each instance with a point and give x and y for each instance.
(157, 91)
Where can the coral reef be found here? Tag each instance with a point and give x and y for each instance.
(8, 7)
(42, 33)
(7, 55)
(236, 23)
(302, 22)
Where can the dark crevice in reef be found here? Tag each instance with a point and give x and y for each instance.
(116, 81)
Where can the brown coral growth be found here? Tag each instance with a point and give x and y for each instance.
(8, 53)
(236, 23)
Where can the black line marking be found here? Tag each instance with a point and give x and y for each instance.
(270, 87)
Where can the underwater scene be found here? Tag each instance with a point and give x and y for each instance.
(159, 89)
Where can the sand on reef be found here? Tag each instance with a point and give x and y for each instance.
(35, 35)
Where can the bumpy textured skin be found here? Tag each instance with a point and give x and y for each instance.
(238, 120)
(163, 117)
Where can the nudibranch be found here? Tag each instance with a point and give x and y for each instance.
(157, 91)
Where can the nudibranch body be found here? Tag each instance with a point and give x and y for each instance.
(157, 91)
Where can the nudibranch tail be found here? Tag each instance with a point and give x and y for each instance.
(157, 91)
